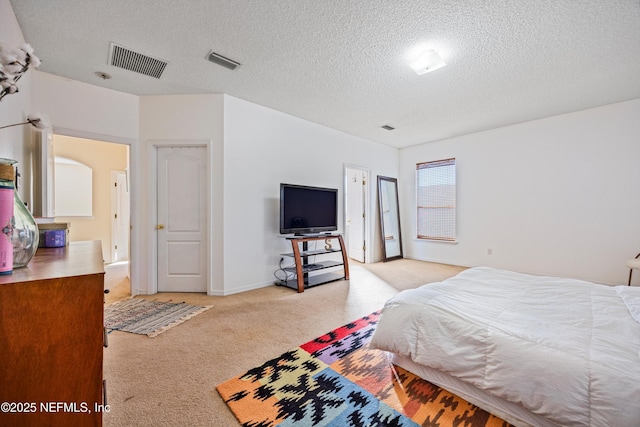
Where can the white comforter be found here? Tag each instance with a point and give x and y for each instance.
(567, 350)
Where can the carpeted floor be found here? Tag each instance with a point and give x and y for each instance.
(171, 380)
(337, 380)
(409, 273)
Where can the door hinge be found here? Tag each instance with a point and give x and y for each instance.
(115, 215)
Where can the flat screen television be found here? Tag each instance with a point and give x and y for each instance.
(308, 210)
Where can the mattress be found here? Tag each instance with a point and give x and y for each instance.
(511, 412)
(565, 350)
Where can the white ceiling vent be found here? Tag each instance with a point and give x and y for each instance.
(133, 61)
(216, 58)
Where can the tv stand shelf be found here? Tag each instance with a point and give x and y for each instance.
(303, 267)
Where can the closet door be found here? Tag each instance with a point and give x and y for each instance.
(182, 219)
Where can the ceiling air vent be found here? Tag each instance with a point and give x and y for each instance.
(221, 60)
(134, 61)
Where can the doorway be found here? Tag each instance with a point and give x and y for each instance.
(120, 213)
(356, 208)
(103, 157)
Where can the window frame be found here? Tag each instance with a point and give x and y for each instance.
(452, 217)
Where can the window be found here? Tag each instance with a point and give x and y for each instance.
(73, 188)
(436, 200)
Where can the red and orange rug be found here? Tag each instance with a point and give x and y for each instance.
(337, 380)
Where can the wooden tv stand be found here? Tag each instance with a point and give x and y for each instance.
(303, 268)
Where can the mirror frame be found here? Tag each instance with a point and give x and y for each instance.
(392, 197)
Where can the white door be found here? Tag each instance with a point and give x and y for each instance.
(182, 219)
(120, 216)
(355, 213)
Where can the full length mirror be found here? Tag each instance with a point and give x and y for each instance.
(389, 218)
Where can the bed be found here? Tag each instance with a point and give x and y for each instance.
(533, 350)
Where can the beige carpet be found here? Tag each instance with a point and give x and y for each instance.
(170, 380)
(408, 273)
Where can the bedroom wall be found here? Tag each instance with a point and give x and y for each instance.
(556, 196)
(179, 119)
(86, 110)
(263, 148)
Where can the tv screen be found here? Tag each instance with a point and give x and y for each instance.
(307, 210)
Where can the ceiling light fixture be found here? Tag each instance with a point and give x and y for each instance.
(428, 61)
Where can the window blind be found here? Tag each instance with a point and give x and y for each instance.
(436, 200)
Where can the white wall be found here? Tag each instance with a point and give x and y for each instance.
(555, 196)
(175, 120)
(263, 148)
(86, 110)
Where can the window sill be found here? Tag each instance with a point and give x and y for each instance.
(417, 239)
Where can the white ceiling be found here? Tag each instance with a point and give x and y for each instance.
(342, 63)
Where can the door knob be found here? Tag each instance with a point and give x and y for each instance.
(159, 226)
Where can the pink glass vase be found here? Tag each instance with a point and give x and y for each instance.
(25, 237)
(22, 229)
(6, 216)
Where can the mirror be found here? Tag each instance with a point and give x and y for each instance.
(389, 218)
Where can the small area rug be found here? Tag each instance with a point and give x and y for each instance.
(337, 380)
(151, 318)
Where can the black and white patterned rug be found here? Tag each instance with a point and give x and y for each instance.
(151, 318)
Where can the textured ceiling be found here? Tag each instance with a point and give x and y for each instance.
(343, 63)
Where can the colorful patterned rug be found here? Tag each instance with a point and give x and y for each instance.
(151, 318)
(337, 380)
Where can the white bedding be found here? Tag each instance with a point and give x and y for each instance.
(566, 350)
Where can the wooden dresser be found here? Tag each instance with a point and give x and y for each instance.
(51, 339)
